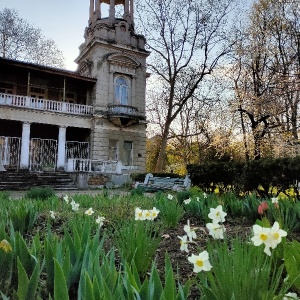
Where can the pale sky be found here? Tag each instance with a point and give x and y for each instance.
(63, 21)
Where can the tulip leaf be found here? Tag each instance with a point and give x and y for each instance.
(60, 285)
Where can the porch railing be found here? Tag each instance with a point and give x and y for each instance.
(46, 105)
(101, 166)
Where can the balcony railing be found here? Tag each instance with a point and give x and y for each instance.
(123, 110)
(46, 105)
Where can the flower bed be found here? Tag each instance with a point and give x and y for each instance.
(160, 247)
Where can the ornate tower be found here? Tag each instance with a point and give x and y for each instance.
(115, 55)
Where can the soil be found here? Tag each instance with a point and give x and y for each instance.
(180, 263)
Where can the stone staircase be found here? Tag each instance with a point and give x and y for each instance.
(24, 180)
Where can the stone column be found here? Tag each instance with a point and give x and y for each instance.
(112, 10)
(134, 101)
(61, 152)
(98, 9)
(111, 91)
(126, 9)
(131, 10)
(91, 11)
(24, 161)
(1, 165)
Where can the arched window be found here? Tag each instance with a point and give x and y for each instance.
(121, 91)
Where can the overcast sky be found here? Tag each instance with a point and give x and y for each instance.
(63, 21)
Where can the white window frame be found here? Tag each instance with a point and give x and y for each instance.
(117, 100)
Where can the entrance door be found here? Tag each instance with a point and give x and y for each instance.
(43, 154)
(10, 151)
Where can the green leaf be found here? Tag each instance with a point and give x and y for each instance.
(292, 263)
(33, 283)
(89, 294)
(3, 296)
(60, 285)
(23, 281)
(170, 288)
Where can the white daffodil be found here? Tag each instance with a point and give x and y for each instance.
(291, 296)
(52, 214)
(183, 243)
(274, 200)
(189, 231)
(154, 212)
(262, 236)
(276, 235)
(89, 212)
(75, 206)
(197, 199)
(201, 262)
(217, 214)
(187, 201)
(66, 198)
(170, 197)
(216, 230)
(139, 214)
(204, 195)
(147, 214)
(100, 220)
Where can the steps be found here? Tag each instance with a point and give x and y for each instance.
(24, 180)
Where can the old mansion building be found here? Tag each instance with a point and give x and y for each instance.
(90, 120)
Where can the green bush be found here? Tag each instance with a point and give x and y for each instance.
(260, 176)
(42, 193)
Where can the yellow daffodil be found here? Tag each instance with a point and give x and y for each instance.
(5, 245)
(201, 262)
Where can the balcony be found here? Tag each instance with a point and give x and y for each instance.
(45, 105)
(124, 115)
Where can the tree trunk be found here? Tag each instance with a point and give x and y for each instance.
(162, 151)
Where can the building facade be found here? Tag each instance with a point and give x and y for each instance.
(92, 119)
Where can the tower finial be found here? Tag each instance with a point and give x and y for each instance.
(95, 10)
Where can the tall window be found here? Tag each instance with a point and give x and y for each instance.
(121, 91)
(113, 150)
(127, 153)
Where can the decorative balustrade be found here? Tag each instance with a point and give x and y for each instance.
(101, 166)
(123, 110)
(46, 105)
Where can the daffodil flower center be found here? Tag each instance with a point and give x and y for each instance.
(199, 263)
(276, 235)
(263, 236)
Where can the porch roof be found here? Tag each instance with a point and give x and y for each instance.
(46, 69)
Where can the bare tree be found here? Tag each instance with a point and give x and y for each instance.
(266, 75)
(187, 39)
(22, 41)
